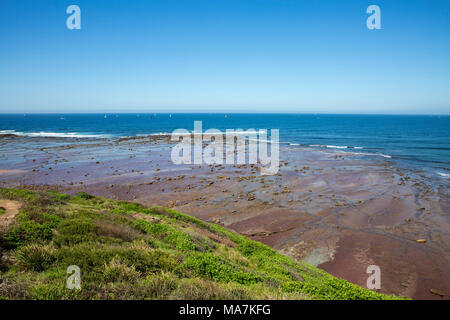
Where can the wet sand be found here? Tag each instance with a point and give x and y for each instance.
(337, 211)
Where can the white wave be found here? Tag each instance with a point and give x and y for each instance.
(445, 175)
(333, 146)
(293, 144)
(328, 146)
(154, 134)
(44, 134)
(384, 155)
(370, 154)
(203, 133)
(267, 141)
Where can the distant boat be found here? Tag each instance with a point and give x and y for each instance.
(170, 116)
(105, 116)
(117, 115)
(62, 118)
(226, 116)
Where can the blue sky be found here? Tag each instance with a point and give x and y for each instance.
(225, 56)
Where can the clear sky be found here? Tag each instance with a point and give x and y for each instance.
(225, 56)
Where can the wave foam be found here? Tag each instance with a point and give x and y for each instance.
(45, 134)
(370, 154)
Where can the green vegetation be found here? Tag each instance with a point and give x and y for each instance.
(2, 210)
(126, 251)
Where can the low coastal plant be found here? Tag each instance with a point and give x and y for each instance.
(127, 251)
(35, 257)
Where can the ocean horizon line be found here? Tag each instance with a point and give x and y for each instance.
(225, 113)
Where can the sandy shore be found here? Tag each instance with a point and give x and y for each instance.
(337, 211)
(11, 171)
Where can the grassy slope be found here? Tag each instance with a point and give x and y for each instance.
(126, 251)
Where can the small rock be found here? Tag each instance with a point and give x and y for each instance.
(437, 292)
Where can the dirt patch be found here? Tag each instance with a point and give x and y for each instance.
(11, 210)
(6, 172)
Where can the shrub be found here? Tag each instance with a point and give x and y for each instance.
(203, 289)
(130, 206)
(91, 257)
(46, 291)
(148, 260)
(28, 231)
(253, 248)
(62, 196)
(35, 257)
(74, 231)
(77, 226)
(160, 286)
(213, 267)
(117, 270)
(36, 215)
(114, 230)
(17, 194)
(333, 288)
(14, 288)
(171, 235)
(155, 286)
(84, 195)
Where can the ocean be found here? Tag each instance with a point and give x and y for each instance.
(418, 142)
